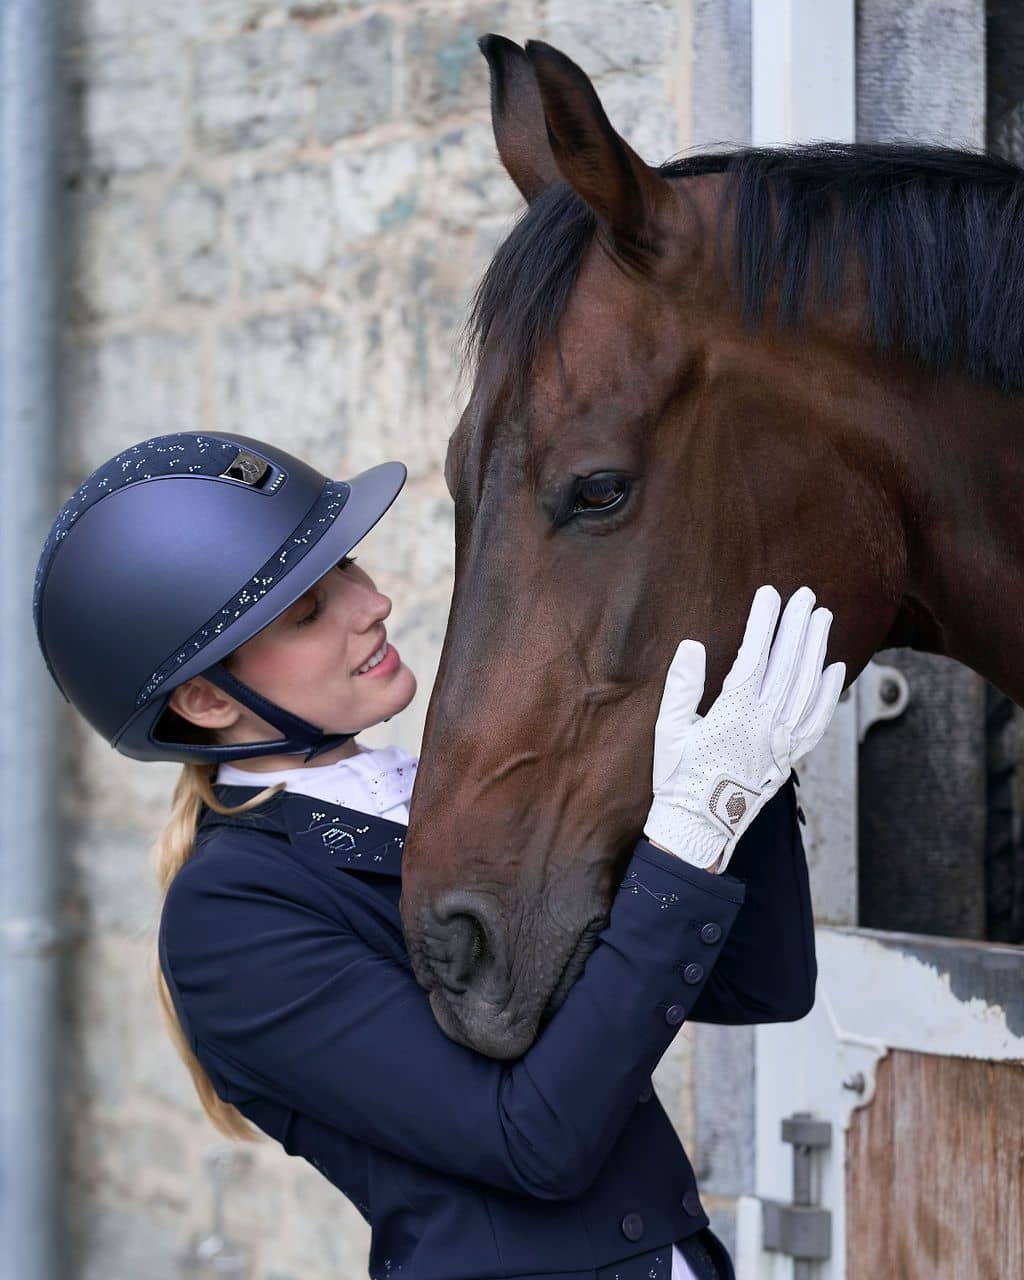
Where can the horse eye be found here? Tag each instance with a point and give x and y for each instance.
(601, 493)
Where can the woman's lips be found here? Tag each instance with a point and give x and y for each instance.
(390, 662)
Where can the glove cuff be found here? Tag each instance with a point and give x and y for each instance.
(684, 833)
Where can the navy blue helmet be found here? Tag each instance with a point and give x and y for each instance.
(170, 556)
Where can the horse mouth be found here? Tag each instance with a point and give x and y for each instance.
(498, 1032)
(476, 1028)
(573, 966)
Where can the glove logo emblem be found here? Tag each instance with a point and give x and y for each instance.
(735, 807)
(729, 802)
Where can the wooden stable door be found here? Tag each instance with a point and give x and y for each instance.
(935, 1172)
(908, 1078)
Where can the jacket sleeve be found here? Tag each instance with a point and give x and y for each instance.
(767, 970)
(279, 998)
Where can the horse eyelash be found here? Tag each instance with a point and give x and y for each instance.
(343, 563)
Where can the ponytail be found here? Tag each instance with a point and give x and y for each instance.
(171, 850)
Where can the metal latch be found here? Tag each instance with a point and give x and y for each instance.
(801, 1229)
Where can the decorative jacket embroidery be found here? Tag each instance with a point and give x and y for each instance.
(352, 842)
(631, 883)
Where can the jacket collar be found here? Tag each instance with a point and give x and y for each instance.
(329, 834)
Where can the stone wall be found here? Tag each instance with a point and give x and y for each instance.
(276, 215)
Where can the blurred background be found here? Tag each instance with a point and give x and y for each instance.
(268, 218)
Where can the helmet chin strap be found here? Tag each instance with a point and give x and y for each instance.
(299, 733)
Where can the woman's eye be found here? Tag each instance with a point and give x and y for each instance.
(600, 494)
(310, 617)
(343, 563)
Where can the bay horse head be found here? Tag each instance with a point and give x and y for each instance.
(770, 366)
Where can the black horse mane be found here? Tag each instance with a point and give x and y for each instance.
(939, 233)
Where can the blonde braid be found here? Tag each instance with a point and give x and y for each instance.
(171, 850)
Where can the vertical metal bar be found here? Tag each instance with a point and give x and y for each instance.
(802, 1175)
(802, 1268)
(31, 152)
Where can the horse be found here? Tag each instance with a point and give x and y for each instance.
(786, 366)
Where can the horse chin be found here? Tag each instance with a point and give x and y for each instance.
(479, 1028)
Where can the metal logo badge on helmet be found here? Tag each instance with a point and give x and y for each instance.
(170, 556)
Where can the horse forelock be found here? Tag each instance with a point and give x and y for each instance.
(938, 234)
(524, 291)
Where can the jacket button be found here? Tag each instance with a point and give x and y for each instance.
(646, 1095)
(693, 973)
(711, 932)
(691, 1203)
(674, 1014)
(632, 1226)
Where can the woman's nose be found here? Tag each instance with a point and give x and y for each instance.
(366, 611)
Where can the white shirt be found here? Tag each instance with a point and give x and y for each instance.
(377, 781)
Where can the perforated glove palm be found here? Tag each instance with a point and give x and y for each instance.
(712, 775)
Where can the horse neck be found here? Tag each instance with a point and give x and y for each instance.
(965, 529)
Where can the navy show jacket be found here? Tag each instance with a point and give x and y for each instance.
(282, 945)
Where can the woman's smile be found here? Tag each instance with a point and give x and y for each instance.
(382, 663)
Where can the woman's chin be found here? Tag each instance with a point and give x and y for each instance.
(399, 689)
(405, 674)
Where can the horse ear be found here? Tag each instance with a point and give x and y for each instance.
(622, 189)
(518, 118)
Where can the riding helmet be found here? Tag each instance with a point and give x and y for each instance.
(170, 556)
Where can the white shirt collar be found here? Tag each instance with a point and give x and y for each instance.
(376, 780)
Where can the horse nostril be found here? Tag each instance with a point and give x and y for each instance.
(466, 946)
(462, 949)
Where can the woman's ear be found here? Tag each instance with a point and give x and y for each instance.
(518, 118)
(201, 702)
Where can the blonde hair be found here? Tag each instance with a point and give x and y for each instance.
(171, 850)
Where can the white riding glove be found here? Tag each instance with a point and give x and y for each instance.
(712, 775)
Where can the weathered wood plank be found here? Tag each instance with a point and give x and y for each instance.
(935, 1172)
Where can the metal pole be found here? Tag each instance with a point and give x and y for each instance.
(31, 153)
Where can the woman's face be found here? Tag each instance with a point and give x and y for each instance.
(306, 661)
